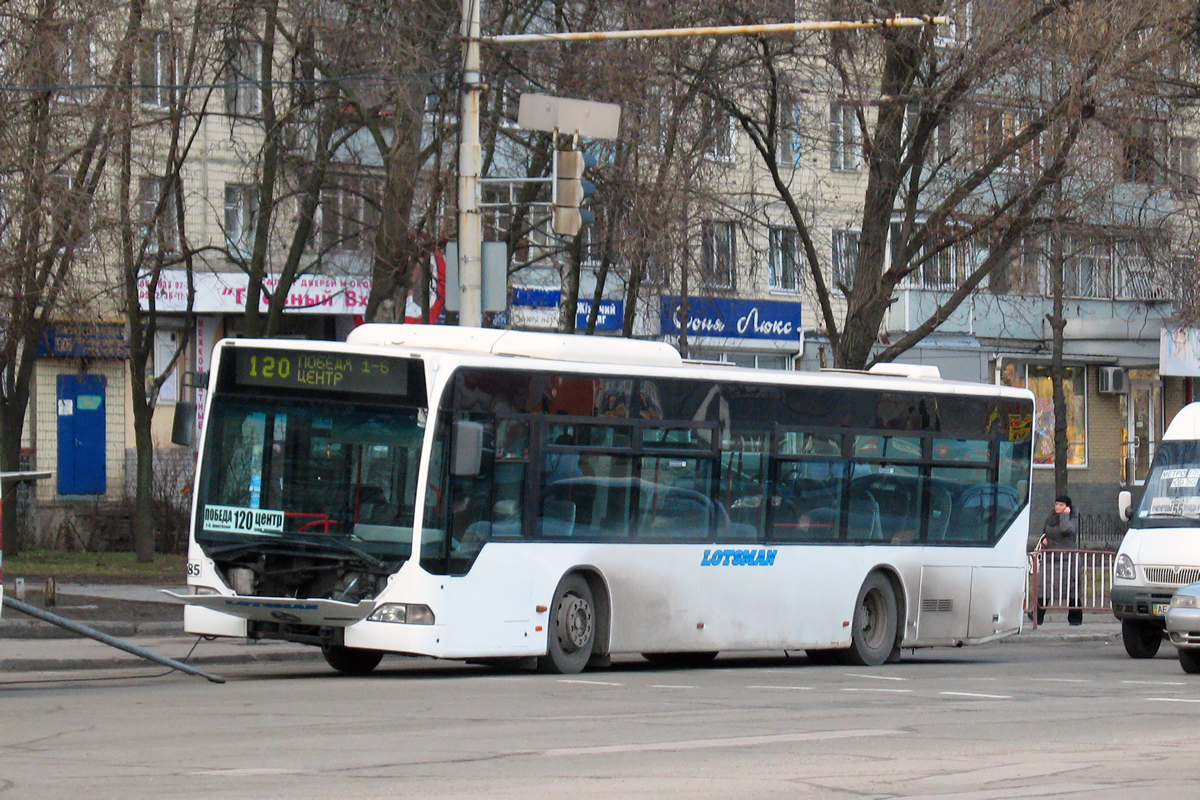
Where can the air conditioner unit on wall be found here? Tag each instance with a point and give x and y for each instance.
(1113, 380)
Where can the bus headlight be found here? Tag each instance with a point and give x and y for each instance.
(1181, 600)
(405, 613)
(1124, 568)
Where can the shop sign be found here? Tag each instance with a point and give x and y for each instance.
(732, 318)
(84, 340)
(225, 293)
(538, 308)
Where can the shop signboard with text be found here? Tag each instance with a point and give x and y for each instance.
(732, 318)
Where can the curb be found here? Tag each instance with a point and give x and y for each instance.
(15, 665)
(24, 628)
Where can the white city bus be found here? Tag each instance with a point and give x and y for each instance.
(493, 495)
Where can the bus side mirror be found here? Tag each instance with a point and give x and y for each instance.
(467, 457)
(1125, 504)
(183, 426)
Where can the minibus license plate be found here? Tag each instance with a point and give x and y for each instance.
(1160, 609)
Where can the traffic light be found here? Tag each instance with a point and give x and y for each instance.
(570, 190)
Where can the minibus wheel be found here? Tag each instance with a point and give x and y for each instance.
(1141, 639)
(572, 628)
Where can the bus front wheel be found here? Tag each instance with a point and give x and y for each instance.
(351, 660)
(1141, 639)
(873, 632)
(572, 634)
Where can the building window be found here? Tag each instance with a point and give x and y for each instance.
(1137, 279)
(720, 131)
(345, 216)
(1183, 163)
(71, 222)
(1087, 269)
(156, 217)
(73, 70)
(156, 70)
(745, 359)
(1018, 273)
(1037, 379)
(992, 130)
(845, 259)
(1139, 154)
(784, 248)
(241, 207)
(717, 255)
(845, 138)
(788, 146)
(243, 97)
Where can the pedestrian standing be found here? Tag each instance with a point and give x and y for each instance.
(1061, 569)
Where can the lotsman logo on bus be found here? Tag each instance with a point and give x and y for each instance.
(738, 558)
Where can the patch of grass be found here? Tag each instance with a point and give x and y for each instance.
(85, 567)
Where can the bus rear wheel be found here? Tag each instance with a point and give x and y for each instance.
(1141, 639)
(572, 634)
(873, 632)
(351, 660)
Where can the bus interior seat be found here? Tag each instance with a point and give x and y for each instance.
(558, 518)
(940, 505)
(679, 513)
(818, 524)
(863, 517)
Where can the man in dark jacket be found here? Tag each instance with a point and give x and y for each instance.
(1061, 532)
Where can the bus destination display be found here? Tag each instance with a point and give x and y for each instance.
(355, 373)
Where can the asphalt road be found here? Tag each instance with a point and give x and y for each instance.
(1046, 719)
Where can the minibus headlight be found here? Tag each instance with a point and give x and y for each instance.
(405, 613)
(1181, 600)
(1124, 568)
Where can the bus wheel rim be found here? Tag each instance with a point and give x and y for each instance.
(575, 623)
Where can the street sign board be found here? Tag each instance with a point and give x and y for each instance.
(541, 112)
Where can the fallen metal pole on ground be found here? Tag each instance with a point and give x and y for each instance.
(111, 641)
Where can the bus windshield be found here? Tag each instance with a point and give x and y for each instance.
(1172, 496)
(311, 497)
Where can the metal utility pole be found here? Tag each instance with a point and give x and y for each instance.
(470, 229)
(470, 226)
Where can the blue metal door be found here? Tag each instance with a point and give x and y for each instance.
(81, 424)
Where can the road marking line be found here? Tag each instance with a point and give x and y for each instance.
(1158, 683)
(708, 744)
(1060, 680)
(590, 683)
(876, 677)
(892, 691)
(1173, 700)
(976, 694)
(784, 688)
(670, 686)
(246, 772)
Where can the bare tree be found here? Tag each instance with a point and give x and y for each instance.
(54, 155)
(943, 139)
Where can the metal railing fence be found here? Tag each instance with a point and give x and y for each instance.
(1069, 579)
